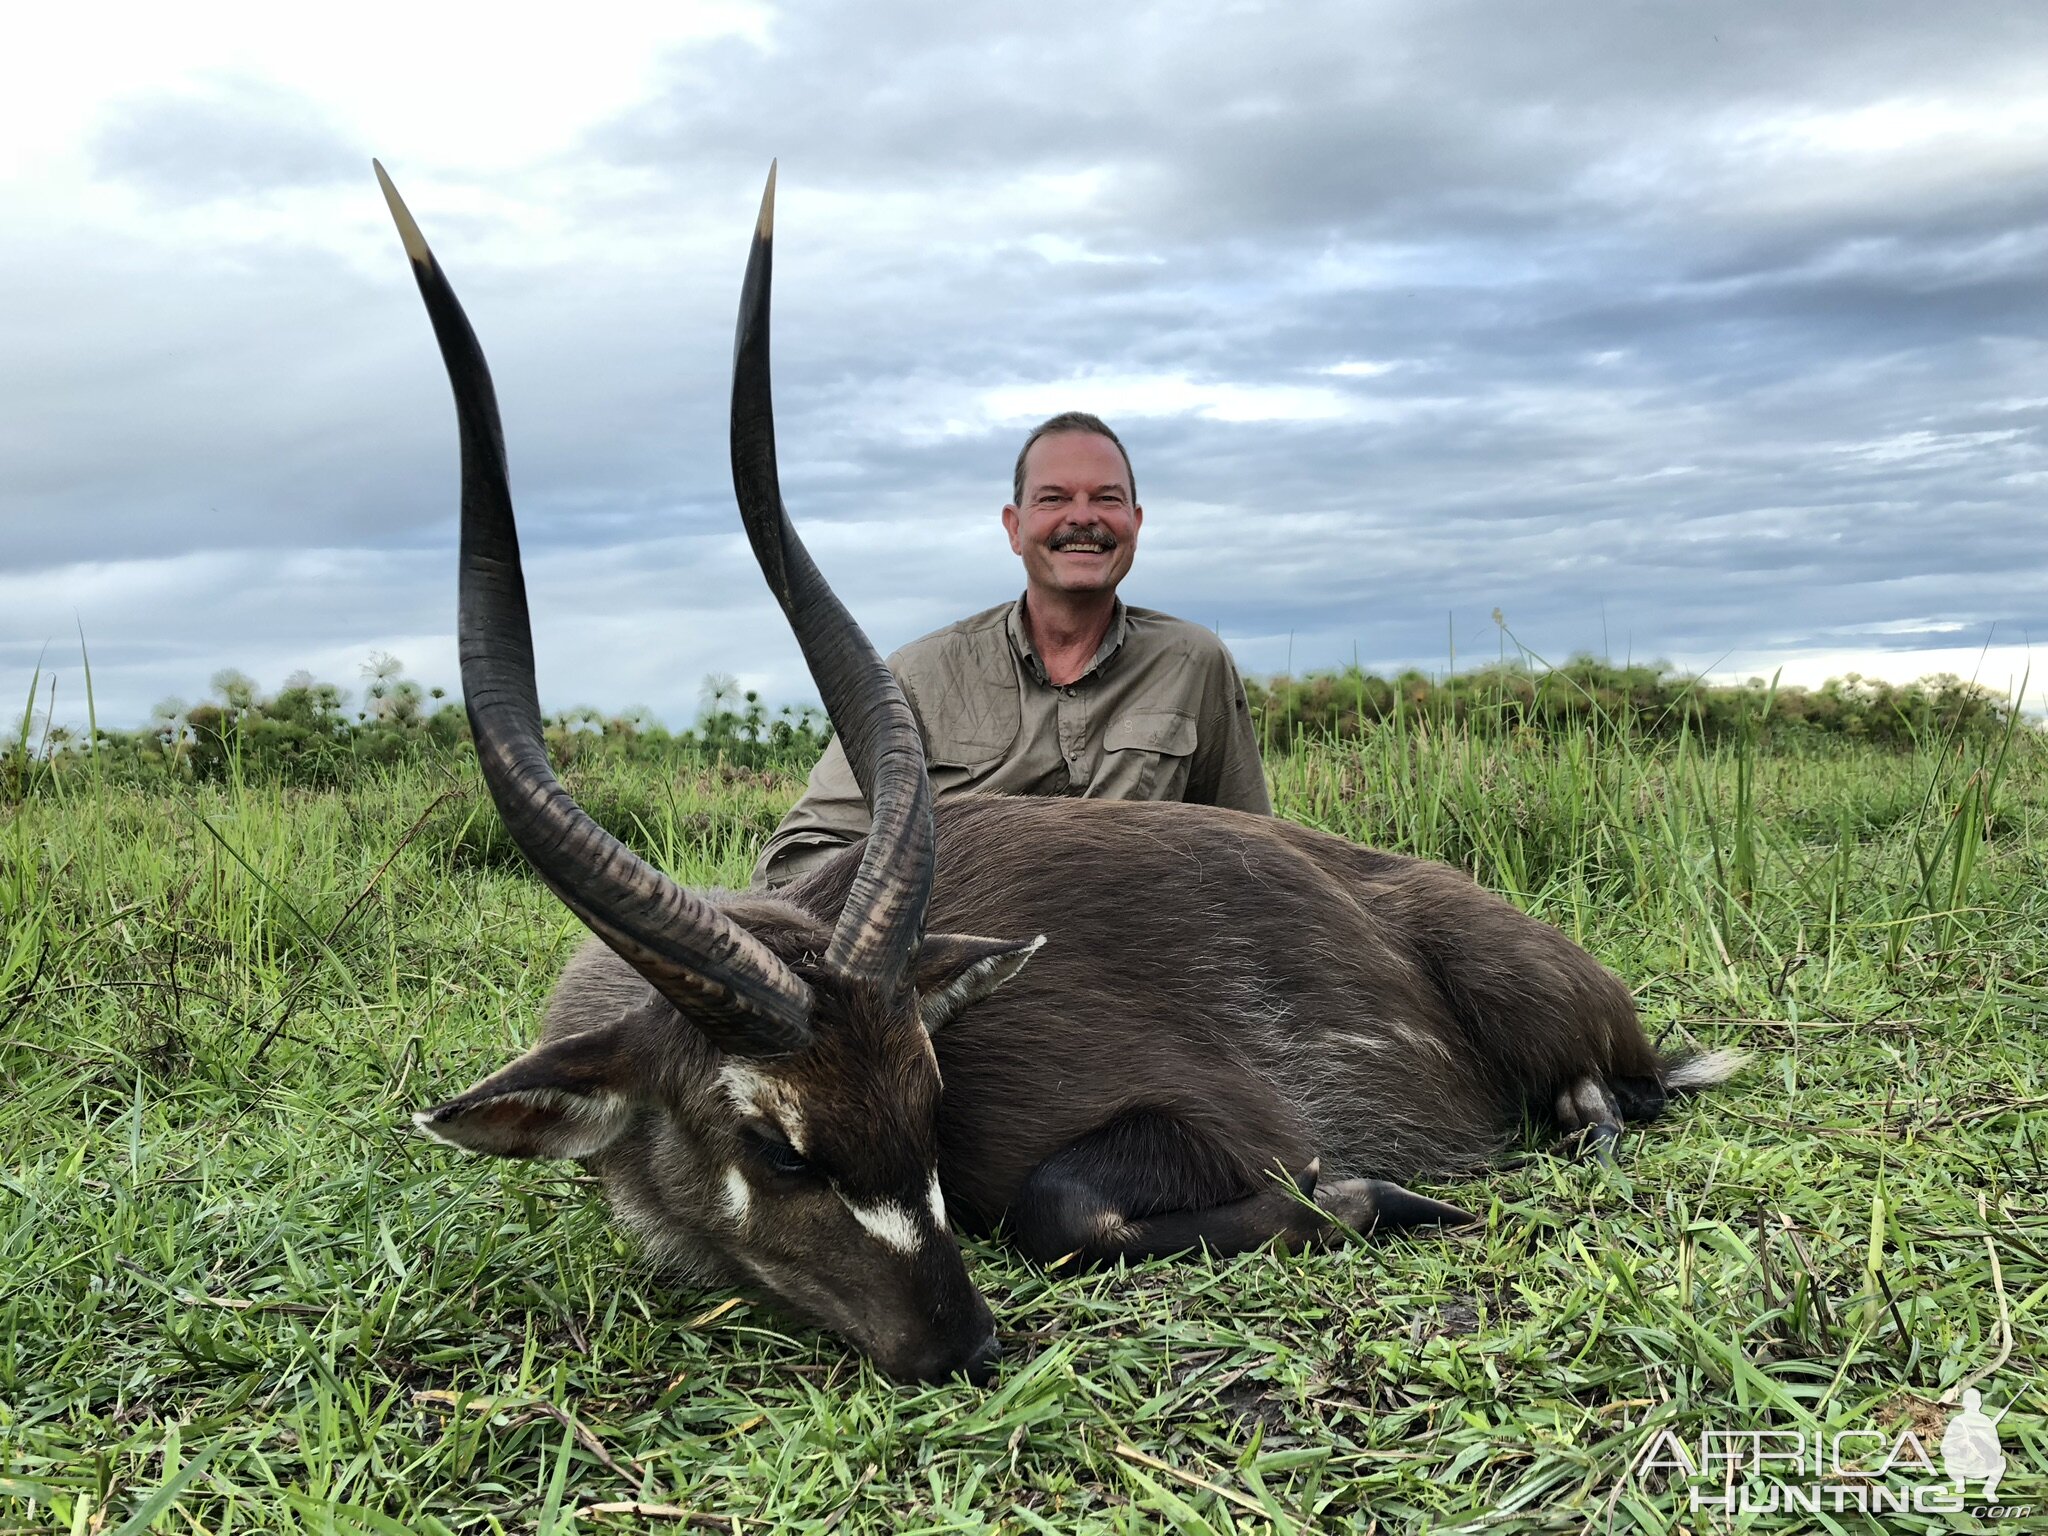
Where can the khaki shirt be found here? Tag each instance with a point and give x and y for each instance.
(1160, 714)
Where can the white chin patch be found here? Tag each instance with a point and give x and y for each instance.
(888, 1223)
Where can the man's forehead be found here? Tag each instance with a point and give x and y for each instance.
(1087, 457)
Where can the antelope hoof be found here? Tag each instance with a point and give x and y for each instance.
(1587, 1110)
(1368, 1205)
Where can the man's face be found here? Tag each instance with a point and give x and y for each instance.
(1078, 527)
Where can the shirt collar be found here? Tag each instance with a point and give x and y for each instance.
(1105, 653)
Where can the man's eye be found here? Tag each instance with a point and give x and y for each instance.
(776, 1153)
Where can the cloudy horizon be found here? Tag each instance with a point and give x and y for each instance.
(1705, 335)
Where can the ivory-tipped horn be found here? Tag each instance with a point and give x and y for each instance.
(724, 980)
(882, 923)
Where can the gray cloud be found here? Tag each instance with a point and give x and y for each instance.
(1684, 331)
(234, 137)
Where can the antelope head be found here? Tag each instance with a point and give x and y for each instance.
(761, 1098)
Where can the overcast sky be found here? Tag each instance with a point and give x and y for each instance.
(1705, 333)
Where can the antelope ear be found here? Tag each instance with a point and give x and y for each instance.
(564, 1098)
(957, 970)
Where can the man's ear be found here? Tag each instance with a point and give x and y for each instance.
(957, 970)
(564, 1098)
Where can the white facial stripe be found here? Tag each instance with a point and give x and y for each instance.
(792, 1123)
(938, 1200)
(738, 1194)
(764, 1096)
(888, 1223)
(744, 1086)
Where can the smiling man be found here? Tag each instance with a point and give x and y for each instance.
(1066, 691)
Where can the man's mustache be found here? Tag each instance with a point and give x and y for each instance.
(1066, 538)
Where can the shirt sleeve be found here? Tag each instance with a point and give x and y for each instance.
(1227, 769)
(829, 815)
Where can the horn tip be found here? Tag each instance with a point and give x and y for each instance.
(408, 231)
(764, 227)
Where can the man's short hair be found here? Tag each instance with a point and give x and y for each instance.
(1070, 421)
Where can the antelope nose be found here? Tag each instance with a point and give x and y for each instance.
(980, 1367)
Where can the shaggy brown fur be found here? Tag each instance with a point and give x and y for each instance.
(1227, 1012)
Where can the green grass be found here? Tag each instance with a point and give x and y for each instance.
(237, 1294)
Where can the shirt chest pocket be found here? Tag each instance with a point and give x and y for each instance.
(969, 740)
(969, 708)
(1146, 755)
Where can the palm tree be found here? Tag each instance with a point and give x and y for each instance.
(234, 688)
(168, 723)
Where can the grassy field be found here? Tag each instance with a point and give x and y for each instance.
(238, 1294)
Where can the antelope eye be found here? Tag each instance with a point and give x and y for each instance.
(769, 1147)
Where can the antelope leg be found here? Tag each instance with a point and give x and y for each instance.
(1143, 1187)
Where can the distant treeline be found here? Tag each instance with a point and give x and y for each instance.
(1649, 701)
(307, 732)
